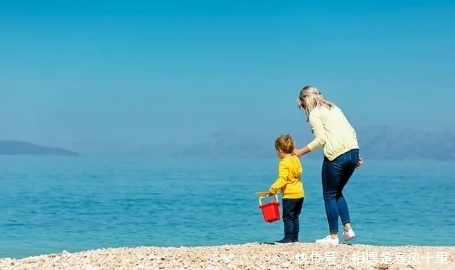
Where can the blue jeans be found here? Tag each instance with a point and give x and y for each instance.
(291, 213)
(335, 176)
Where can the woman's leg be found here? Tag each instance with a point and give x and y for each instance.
(348, 169)
(341, 200)
(331, 175)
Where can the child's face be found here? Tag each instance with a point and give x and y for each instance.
(279, 153)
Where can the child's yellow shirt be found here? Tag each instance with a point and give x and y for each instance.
(289, 181)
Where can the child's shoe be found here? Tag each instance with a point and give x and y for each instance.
(295, 236)
(284, 241)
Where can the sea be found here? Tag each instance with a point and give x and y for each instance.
(51, 204)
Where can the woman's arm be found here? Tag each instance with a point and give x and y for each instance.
(319, 136)
(302, 151)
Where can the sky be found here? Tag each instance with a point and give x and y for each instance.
(97, 75)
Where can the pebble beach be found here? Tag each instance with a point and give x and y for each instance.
(248, 256)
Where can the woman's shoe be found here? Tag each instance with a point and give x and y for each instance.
(328, 240)
(349, 235)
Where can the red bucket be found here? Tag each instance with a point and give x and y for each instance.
(270, 210)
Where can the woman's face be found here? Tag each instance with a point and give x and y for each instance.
(301, 103)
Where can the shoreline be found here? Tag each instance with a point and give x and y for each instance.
(246, 256)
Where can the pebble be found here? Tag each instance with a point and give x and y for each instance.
(248, 256)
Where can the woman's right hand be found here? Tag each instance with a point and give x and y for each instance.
(297, 152)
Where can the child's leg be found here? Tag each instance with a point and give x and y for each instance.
(295, 222)
(288, 217)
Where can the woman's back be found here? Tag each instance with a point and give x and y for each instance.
(333, 131)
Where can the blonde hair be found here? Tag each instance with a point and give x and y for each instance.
(310, 98)
(285, 143)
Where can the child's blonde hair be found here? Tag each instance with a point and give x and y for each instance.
(285, 143)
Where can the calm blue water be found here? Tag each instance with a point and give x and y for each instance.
(52, 204)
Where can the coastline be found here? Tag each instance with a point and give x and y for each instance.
(246, 256)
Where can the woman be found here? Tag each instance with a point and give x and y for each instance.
(337, 137)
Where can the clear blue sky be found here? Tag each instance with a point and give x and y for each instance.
(90, 75)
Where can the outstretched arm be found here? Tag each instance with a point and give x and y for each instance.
(319, 136)
(283, 173)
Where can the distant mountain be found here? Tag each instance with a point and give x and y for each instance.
(229, 143)
(388, 143)
(375, 143)
(26, 148)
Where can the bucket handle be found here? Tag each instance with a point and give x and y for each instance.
(260, 198)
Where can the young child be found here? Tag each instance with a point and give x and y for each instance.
(289, 183)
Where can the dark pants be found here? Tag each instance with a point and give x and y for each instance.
(291, 212)
(335, 176)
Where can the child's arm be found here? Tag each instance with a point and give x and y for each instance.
(283, 173)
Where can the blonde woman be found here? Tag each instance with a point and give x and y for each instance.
(334, 133)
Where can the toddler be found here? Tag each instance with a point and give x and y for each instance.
(289, 183)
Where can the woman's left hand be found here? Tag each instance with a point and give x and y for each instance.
(359, 162)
